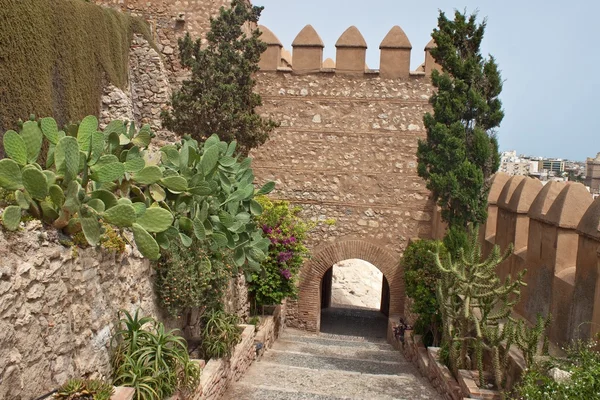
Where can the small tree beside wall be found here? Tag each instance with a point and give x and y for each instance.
(219, 97)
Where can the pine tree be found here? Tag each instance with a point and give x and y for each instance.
(219, 97)
(461, 150)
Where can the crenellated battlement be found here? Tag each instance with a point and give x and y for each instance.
(351, 51)
(556, 234)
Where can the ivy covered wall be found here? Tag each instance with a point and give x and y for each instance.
(54, 56)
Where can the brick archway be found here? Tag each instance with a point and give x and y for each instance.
(324, 257)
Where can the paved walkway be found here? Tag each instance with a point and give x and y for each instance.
(333, 366)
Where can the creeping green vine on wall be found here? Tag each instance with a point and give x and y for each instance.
(55, 55)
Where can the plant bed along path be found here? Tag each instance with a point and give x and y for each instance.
(325, 367)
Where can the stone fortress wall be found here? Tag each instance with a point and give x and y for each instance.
(556, 234)
(346, 148)
(346, 152)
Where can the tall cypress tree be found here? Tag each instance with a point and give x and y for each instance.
(219, 97)
(461, 150)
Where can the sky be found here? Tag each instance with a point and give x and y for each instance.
(547, 51)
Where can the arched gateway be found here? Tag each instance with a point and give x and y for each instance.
(325, 256)
(345, 152)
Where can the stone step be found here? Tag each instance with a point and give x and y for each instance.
(313, 361)
(348, 337)
(338, 351)
(245, 391)
(335, 341)
(275, 378)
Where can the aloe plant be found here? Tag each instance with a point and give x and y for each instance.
(94, 176)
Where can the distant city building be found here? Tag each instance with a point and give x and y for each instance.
(592, 176)
(552, 165)
(513, 165)
(546, 169)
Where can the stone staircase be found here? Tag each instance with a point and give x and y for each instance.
(303, 366)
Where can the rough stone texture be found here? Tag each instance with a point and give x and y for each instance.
(150, 88)
(559, 375)
(116, 104)
(146, 96)
(269, 329)
(427, 361)
(236, 298)
(169, 20)
(346, 150)
(218, 374)
(57, 311)
(356, 283)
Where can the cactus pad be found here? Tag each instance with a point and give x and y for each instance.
(108, 172)
(210, 159)
(156, 219)
(90, 226)
(97, 205)
(15, 148)
(121, 215)
(66, 158)
(11, 217)
(32, 136)
(10, 175)
(86, 130)
(157, 192)
(21, 199)
(146, 244)
(175, 184)
(135, 164)
(148, 175)
(140, 209)
(50, 129)
(109, 199)
(35, 183)
(56, 195)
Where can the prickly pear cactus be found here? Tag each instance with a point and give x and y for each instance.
(197, 191)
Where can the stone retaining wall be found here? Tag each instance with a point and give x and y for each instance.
(147, 94)
(58, 307)
(427, 362)
(218, 374)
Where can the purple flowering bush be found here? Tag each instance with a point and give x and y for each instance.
(277, 279)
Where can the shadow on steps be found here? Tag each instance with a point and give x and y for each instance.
(364, 323)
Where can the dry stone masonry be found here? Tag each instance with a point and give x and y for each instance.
(57, 309)
(148, 92)
(170, 20)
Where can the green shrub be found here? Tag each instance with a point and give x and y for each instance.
(82, 389)
(153, 361)
(220, 98)
(421, 276)
(286, 231)
(192, 279)
(220, 334)
(582, 361)
(91, 177)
